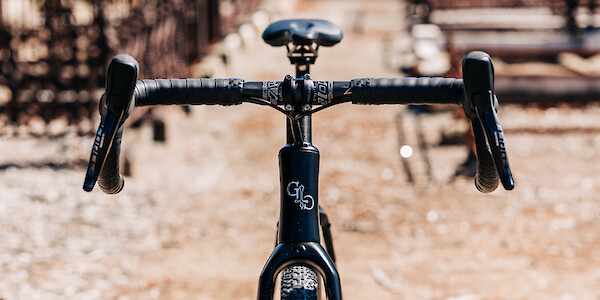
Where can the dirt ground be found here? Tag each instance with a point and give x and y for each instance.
(197, 218)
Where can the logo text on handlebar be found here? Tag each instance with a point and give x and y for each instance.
(271, 91)
(296, 190)
(324, 92)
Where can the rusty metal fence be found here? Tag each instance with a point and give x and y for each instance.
(53, 53)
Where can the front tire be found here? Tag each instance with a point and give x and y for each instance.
(299, 283)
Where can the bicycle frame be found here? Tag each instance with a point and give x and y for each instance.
(298, 240)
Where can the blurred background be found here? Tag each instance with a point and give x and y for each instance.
(197, 217)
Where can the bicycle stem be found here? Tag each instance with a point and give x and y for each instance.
(299, 131)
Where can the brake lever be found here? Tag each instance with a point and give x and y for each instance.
(480, 105)
(116, 105)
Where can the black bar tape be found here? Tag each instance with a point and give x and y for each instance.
(188, 91)
(486, 179)
(411, 90)
(110, 180)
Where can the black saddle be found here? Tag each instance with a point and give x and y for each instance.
(302, 32)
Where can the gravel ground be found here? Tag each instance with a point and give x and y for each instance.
(196, 219)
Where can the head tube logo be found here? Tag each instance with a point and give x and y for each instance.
(296, 190)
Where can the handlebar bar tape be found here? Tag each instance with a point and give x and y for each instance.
(110, 179)
(486, 179)
(411, 90)
(188, 91)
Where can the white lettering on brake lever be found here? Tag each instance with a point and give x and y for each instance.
(98, 142)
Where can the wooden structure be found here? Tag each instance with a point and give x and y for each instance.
(530, 33)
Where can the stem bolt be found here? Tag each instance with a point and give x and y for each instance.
(306, 107)
(299, 248)
(288, 107)
(307, 77)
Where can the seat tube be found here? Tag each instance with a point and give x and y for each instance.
(299, 176)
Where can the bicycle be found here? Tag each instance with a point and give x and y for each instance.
(298, 254)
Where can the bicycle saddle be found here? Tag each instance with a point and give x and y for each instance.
(302, 32)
